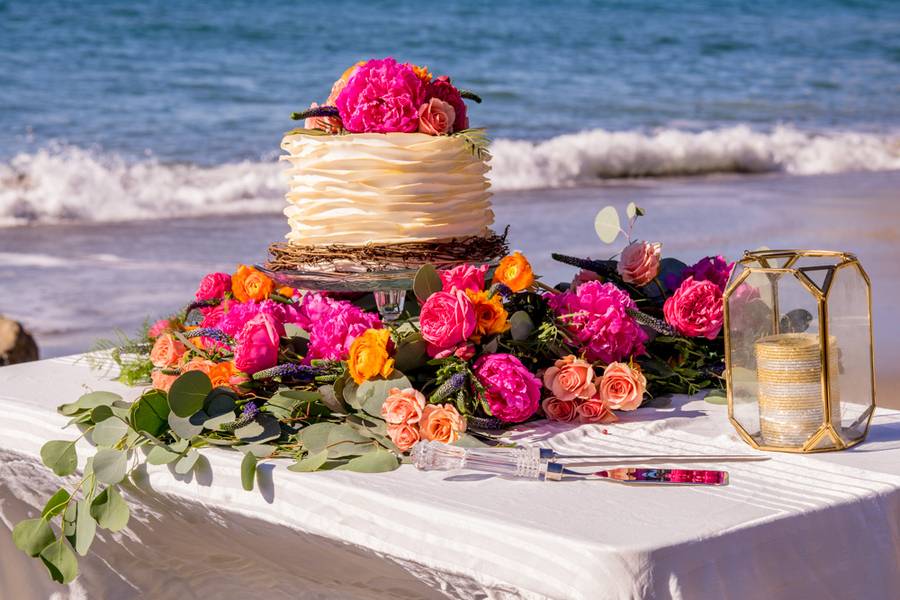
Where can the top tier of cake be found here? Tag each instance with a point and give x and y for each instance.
(384, 188)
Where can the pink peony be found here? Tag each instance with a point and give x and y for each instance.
(695, 309)
(447, 319)
(639, 262)
(382, 96)
(258, 343)
(463, 277)
(436, 117)
(595, 315)
(332, 325)
(442, 89)
(595, 411)
(214, 286)
(236, 315)
(512, 391)
(560, 410)
(570, 378)
(622, 387)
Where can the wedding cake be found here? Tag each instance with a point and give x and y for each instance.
(387, 173)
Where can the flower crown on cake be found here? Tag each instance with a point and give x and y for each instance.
(384, 96)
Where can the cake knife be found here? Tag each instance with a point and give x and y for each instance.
(639, 475)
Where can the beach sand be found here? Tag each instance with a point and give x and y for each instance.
(73, 284)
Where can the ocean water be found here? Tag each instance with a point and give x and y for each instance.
(114, 111)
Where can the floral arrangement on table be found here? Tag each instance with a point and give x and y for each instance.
(323, 382)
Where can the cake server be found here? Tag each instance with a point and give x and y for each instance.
(639, 475)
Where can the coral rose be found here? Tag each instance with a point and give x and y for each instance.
(512, 392)
(404, 436)
(441, 423)
(160, 327)
(166, 351)
(442, 89)
(622, 387)
(214, 286)
(696, 309)
(220, 374)
(258, 343)
(560, 410)
(370, 355)
(249, 284)
(514, 271)
(570, 378)
(162, 381)
(639, 262)
(447, 319)
(463, 277)
(382, 96)
(402, 406)
(490, 316)
(595, 411)
(436, 117)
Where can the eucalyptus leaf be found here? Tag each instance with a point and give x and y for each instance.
(160, 455)
(110, 510)
(68, 520)
(186, 463)
(265, 428)
(521, 325)
(150, 413)
(109, 432)
(56, 504)
(294, 330)
(314, 438)
(411, 354)
(95, 399)
(349, 389)
(608, 225)
(374, 462)
(372, 393)
(716, 396)
(101, 413)
(344, 440)
(312, 462)
(60, 456)
(110, 465)
(248, 471)
(85, 528)
(60, 561)
(258, 450)
(426, 282)
(330, 399)
(188, 393)
(31, 536)
(185, 428)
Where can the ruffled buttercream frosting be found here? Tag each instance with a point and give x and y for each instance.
(384, 188)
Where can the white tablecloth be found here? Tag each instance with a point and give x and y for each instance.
(815, 526)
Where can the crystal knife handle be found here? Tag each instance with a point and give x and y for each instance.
(512, 462)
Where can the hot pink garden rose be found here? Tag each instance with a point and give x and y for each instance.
(214, 286)
(382, 96)
(595, 315)
(595, 411)
(622, 387)
(158, 328)
(512, 392)
(436, 117)
(257, 344)
(695, 309)
(447, 319)
(560, 410)
(463, 277)
(711, 268)
(570, 378)
(639, 262)
(441, 88)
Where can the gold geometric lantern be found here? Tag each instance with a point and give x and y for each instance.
(799, 358)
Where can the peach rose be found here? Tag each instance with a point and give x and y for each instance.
(570, 378)
(436, 117)
(167, 351)
(560, 410)
(404, 436)
(595, 411)
(403, 406)
(198, 363)
(441, 423)
(639, 262)
(622, 387)
(161, 381)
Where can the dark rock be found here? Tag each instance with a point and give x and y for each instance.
(16, 344)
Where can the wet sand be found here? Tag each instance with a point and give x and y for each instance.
(72, 284)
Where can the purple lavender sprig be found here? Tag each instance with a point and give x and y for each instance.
(657, 325)
(449, 387)
(502, 289)
(319, 111)
(248, 415)
(291, 370)
(202, 304)
(212, 333)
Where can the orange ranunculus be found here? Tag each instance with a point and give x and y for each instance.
(286, 291)
(370, 355)
(421, 72)
(490, 316)
(514, 272)
(249, 284)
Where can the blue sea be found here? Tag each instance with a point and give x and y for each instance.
(138, 110)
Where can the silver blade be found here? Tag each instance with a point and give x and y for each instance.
(551, 455)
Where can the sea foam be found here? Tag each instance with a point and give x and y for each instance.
(71, 184)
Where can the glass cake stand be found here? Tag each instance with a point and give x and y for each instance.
(388, 287)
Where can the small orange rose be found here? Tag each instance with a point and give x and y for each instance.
(167, 351)
(370, 355)
(490, 316)
(249, 284)
(514, 272)
(441, 423)
(286, 291)
(421, 72)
